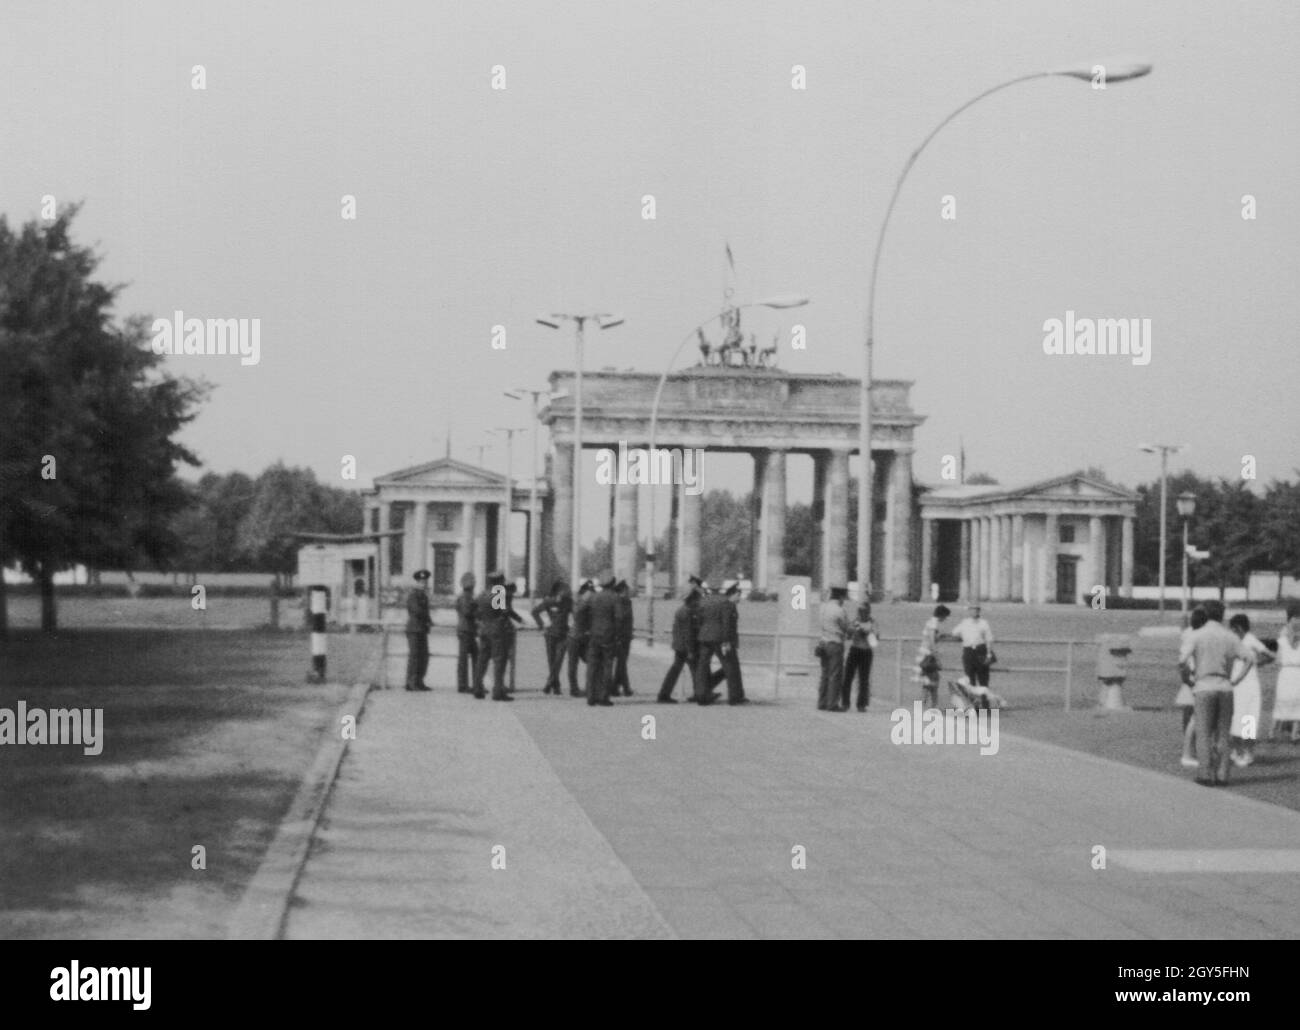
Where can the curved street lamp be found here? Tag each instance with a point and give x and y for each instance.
(778, 303)
(1186, 505)
(1101, 74)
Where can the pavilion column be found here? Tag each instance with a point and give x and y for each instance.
(419, 536)
(1004, 573)
(1126, 557)
(897, 564)
(963, 563)
(1051, 537)
(627, 504)
(383, 574)
(771, 543)
(465, 552)
(837, 517)
(976, 553)
(927, 557)
(561, 543)
(688, 550)
(1018, 591)
(996, 548)
(1097, 551)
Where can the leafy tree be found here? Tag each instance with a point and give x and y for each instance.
(980, 479)
(87, 459)
(1280, 529)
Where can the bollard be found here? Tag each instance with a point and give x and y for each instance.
(319, 637)
(1112, 669)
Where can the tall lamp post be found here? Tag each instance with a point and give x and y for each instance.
(1116, 72)
(604, 321)
(776, 303)
(1186, 504)
(1164, 450)
(518, 394)
(504, 528)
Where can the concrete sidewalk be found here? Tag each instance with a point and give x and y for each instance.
(696, 832)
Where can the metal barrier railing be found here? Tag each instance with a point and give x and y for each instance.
(386, 629)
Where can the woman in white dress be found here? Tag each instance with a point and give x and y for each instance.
(1246, 694)
(1286, 700)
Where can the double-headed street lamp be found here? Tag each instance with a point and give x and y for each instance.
(1164, 450)
(1100, 75)
(776, 303)
(605, 321)
(518, 394)
(1186, 504)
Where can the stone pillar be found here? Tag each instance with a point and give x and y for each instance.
(757, 536)
(382, 573)
(837, 517)
(688, 550)
(627, 506)
(996, 548)
(465, 552)
(927, 557)
(897, 564)
(1097, 553)
(1018, 591)
(819, 573)
(1051, 537)
(963, 565)
(772, 538)
(1007, 556)
(1126, 557)
(976, 531)
(562, 470)
(420, 536)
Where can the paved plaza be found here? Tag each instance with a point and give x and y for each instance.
(453, 817)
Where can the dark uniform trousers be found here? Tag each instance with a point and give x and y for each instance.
(975, 663)
(482, 660)
(466, 661)
(680, 659)
(417, 657)
(832, 682)
(857, 664)
(497, 652)
(556, 648)
(622, 650)
(703, 680)
(577, 647)
(601, 657)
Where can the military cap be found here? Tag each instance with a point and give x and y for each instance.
(422, 575)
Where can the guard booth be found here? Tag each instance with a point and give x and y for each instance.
(346, 567)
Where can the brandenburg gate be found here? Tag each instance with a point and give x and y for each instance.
(767, 413)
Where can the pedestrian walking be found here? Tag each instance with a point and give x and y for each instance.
(835, 629)
(731, 650)
(602, 647)
(580, 635)
(714, 635)
(418, 624)
(557, 606)
(686, 631)
(976, 649)
(927, 657)
(862, 648)
(1246, 698)
(1214, 651)
(466, 635)
(1286, 695)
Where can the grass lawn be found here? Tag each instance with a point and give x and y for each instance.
(206, 736)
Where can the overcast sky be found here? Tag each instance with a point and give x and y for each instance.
(478, 207)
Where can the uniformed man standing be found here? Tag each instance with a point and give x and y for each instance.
(686, 630)
(625, 630)
(557, 605)
(466, 635)
(602, 648)
(500, 632)
(484, 621)
(731, 653)
(580, 635)
(714, 636)
(418, 624)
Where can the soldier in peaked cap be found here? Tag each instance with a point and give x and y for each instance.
(580, 635)
(731, 654)
(714, 635)
(466, 634)
(625, 630)
(418, 624)
(557, 605)
(602, 647)
(686, 631)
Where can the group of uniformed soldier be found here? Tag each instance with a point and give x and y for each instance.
(705, 626)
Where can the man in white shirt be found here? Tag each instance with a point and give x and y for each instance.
(976, 646)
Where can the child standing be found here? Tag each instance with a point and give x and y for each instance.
(927, 658)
